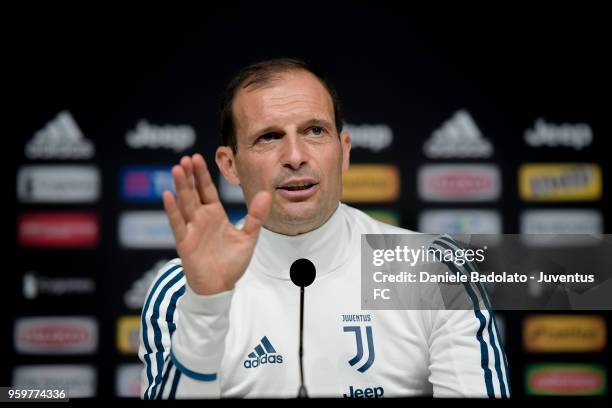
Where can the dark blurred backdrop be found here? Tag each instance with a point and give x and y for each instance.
(112, 95)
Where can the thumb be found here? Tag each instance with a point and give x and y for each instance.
(258, 212)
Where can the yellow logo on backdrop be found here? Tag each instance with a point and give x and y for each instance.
(128, 334)
(369, 183)
(560, 182)
(566, 333)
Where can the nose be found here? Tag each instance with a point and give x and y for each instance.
(294, 152)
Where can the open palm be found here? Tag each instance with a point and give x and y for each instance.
(214, 253)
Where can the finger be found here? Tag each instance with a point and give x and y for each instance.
(187, 166)
(258, 212)
(186, 195)
(204, 184)
(177, 224)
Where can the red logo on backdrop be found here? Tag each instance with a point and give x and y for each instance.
(460, 183)
(55, 336)
(58, 230)
(567, 381)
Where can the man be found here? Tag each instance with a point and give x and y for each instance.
(222, 321)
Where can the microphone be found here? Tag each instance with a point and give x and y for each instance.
(302, 273)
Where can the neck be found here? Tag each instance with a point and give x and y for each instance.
(297, 227)
(326, 246)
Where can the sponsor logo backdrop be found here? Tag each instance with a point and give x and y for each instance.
(460, 124)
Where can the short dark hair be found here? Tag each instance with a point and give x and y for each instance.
(262, 73)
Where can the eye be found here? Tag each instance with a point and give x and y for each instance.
(316, 130)
(268, 137)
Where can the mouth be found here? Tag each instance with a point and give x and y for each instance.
(298, 187)
(298, 190)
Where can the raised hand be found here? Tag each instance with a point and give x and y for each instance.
(213, 252)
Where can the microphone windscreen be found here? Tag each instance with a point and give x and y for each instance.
(302, 272)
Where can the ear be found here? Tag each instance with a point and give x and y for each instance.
(227, 164)
(345, 144)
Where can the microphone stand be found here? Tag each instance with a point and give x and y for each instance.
(302, 393)
(302, 274)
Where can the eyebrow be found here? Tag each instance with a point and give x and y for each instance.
(317, 122)
(310, 122)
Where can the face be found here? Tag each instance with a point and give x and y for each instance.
(287, 144)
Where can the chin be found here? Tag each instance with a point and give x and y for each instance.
(299, 212)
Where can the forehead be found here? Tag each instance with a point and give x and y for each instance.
(292, 98)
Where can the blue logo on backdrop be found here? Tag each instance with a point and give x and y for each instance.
(145, 184)
(360, 347)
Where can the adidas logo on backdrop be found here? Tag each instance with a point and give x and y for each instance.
(62, 139)
(458, 137)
